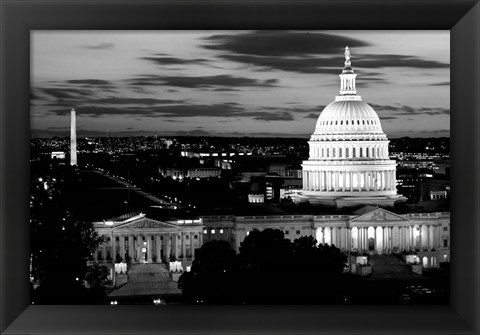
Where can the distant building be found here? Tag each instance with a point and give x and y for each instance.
(180, 173)
(256, 198)
(58, 155)
(438, 195)
(204, 173)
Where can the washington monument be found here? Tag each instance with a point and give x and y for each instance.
(73, 138)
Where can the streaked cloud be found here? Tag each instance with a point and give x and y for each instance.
(100, 46)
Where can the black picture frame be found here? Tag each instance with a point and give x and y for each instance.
(18, 17)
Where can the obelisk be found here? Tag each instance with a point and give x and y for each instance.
(73, 138)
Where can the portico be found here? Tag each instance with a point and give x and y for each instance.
(144, 240)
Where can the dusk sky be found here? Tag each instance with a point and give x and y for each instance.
(234, 83)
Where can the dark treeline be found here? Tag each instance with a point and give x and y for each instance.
(61, 243)
(269, 269)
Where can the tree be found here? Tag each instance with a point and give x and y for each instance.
(60, 244)
(264, 265)
(212, 278)
(270, 269)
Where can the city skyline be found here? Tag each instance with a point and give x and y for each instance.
(241, 83)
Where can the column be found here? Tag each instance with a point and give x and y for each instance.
(122, 247)
(175, 245)
(192, 245)
(384, 238)
(362, 238)
(412, 237)
(359, 180)
(158, 248)
(365, 180)
(149, 248)
(336, 181)
(344, 176)
(421, 238)
(130, 248)
(350, 175)
(365, 238)
(428, 236)
(184, 256)
(333, 235)
(168, 246)
(200, 238)
(113, 244)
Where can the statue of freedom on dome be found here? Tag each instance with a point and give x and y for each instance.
(347, 53)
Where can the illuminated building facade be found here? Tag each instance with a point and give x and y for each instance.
(348, 163)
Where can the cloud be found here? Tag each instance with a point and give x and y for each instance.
(90, 82)
(312, 116)
(303, 65)
(390, 60)
(281, 116)
(100, 46)
(305, 52)
(408, 110)
(281, 43)
(201, 81)
(445, 83)
(174, 60)
(132, 101)
(66, 93)
(225, 110)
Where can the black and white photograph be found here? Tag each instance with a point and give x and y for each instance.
(242, 167)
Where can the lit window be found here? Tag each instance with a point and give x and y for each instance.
(212, 231)
(221, 231)
(248, 233)
(205, 231)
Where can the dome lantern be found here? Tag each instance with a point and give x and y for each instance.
(347, 77)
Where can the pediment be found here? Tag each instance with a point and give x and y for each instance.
(379, 214)
(145, 223)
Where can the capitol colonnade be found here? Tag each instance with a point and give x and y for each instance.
(383, 238)
(349, 181)
(369, 229)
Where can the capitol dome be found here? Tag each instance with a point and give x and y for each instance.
(348, 116)
(348, 161)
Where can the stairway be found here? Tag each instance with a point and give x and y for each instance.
(390, 267)
(150, 280)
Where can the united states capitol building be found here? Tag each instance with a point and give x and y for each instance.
(348, 169)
